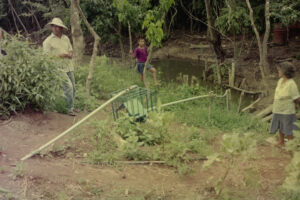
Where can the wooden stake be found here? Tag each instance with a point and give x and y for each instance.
(78, 123)
(186, 79)
(240, 101)
(211, 96)
(227, 99)
(242, 95)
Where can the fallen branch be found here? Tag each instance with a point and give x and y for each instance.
(265, 112)
(138, 162)
(267, 118)
(3, 190)
(242, 90)
(251, 105)
(196, 36)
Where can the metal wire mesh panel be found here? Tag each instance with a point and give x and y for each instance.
(137, 102)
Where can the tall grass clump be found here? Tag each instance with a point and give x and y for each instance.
(27, 78)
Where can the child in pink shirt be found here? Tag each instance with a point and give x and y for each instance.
(141, 54)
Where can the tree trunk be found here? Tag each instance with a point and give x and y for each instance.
(130, 37)
(266, 38)
(191, 23)
(215, 40)
(262, 53)
(121, 42)
(77, 34)
(95, 49)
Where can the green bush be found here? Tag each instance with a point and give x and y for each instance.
(27, 78)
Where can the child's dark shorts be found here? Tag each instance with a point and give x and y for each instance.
(140, 67)
(285, 123)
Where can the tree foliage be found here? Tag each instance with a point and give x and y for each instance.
(286, 11)
(233, 18)
(154, 20)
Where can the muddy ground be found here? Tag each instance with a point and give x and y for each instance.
(64, 173)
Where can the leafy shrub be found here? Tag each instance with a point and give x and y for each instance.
(154, 131)
(27, 78)
(105, 148)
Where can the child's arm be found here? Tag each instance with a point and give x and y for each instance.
(135, 54)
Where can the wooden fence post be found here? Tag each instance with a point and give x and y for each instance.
(205, 69)
(227, 99)
(211, 96)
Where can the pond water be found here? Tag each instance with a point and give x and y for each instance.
(170, 69)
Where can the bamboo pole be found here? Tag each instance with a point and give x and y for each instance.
(78, 123)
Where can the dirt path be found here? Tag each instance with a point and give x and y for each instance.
(71, 178)
(24, 133)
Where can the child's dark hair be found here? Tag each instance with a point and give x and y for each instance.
(287, 69)
(141, 38)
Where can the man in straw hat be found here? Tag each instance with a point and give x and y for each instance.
(58, 44)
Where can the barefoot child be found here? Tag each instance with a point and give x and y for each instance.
(141, 54)
(285, 101)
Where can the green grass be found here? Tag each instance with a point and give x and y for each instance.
(110, 77)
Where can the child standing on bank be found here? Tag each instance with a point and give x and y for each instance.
(141, 54)
(286, 100)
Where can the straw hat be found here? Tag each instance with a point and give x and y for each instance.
(58, 22)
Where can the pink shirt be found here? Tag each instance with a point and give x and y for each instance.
(141, 54)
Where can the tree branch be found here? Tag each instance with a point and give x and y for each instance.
(95, 49)
(14, 11)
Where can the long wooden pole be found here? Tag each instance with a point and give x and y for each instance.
(193, 98)
(78, 123)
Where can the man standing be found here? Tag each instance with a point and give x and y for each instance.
(58, 44)
(2, 52)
